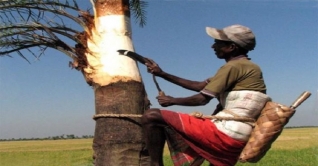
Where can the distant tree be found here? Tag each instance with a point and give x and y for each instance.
(55, 137)
(71, 136)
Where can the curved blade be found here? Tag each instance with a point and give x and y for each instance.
(133, 55)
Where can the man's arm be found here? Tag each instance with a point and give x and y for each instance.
(188, 84)
(154, 68)
(195, 100)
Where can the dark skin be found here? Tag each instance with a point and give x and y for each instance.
(152, 121)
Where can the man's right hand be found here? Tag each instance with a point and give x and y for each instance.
(153, 67)
(165, 101)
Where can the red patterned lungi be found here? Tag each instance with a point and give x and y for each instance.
(191, 139)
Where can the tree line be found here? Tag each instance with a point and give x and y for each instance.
(291, 127)
(58, 137)
(72, 136)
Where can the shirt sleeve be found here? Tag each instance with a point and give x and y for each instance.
(222, 81)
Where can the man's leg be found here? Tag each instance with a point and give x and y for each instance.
(152, 124)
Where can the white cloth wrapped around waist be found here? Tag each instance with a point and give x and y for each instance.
(243, 104)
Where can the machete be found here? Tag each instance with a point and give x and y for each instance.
(134, 56)
(142, 60)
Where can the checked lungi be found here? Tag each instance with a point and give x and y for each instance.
(192, 139)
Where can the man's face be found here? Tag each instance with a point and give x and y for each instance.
(222, 48)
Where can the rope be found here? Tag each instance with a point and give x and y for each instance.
(116, 116)
(200, 115)
(195, 114)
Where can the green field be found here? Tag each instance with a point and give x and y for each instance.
(295, 147)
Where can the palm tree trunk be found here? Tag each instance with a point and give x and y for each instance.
(117, 86)
(118, 141)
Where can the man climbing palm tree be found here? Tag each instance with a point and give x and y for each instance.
(241, 91)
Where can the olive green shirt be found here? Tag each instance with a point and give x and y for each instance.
(237, 74)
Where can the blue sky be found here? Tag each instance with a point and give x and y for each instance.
(47, 98)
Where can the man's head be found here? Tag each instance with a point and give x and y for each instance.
(240, 35)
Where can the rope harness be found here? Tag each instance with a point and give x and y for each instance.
(196, 114)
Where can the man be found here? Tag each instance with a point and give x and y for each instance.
(241, 91)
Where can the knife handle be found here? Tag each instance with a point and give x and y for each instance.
(161, 93)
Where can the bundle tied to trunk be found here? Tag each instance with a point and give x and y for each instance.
(268, 127)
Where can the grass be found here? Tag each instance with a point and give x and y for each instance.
(75, 152)
(294, 147)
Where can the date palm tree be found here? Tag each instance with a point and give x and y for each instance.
(30, 27)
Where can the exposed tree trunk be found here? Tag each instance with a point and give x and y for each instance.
(115, 78)
(117, 86)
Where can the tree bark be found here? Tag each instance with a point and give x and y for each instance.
(118, 141)
(117, 86)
